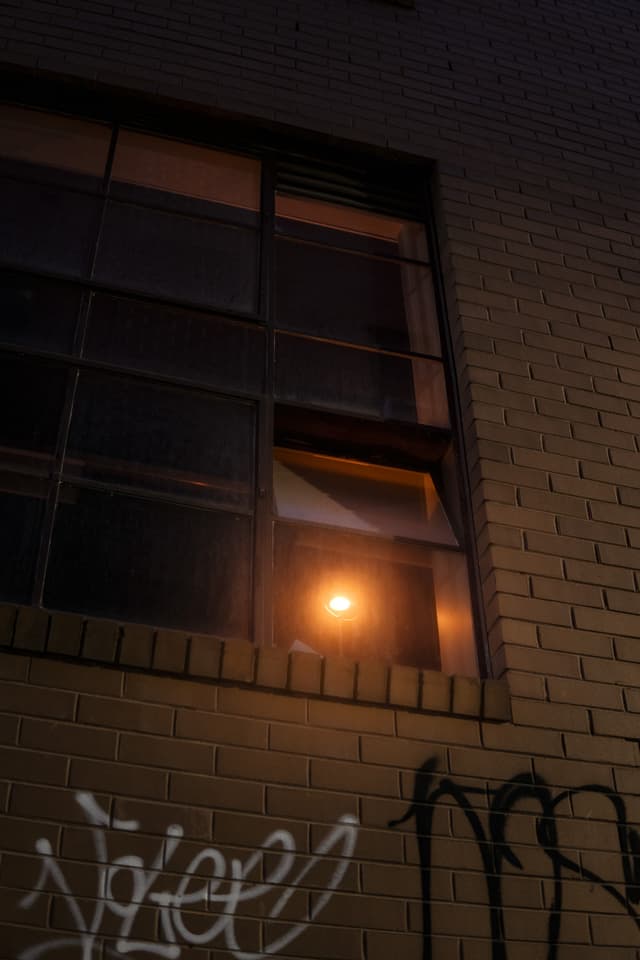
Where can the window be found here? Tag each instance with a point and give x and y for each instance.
(231, 411)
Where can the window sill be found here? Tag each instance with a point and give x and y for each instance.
(31, 630)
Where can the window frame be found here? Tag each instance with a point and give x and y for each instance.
(146, 116)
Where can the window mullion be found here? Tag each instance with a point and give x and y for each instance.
(263, 525)
(42, 561)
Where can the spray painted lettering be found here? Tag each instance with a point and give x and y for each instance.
(490, 834)
(209, 883)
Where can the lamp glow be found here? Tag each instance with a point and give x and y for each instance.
(341, 607)
(339, 604)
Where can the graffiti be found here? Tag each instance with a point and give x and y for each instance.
(208, 883)
(496, 852)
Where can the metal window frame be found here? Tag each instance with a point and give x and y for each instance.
(285, 156)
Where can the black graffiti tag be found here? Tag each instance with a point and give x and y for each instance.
(496, 852)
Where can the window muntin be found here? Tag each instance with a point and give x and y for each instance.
(158, 474)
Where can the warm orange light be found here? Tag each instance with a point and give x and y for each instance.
(341, 607)
(339, 604)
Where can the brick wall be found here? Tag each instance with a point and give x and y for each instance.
(543, 85)
(230, 764)
(548, 349)
(530, 112)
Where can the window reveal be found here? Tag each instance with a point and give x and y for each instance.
(136, 477)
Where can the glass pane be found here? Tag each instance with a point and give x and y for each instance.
(186, 169)
(150, 562)
(45, 227)
(341, 594)
(186, 258)
(383, 501)
(347, 226)
(176, 342)
(347, 296)
(361, 381)
(51, 140)
(22, 502)
(36, 312)
(34, 393)
(158, 438)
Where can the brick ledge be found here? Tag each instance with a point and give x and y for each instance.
(32, 630)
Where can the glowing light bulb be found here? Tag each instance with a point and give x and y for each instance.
(339, 604)
(341, 607)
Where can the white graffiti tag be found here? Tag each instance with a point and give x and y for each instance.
(209, 883)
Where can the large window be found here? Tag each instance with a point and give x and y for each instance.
(226, 399)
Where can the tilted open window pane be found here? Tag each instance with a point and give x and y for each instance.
(382, 501)
(377, 542)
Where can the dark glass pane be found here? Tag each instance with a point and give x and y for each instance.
(347, 296)
(34, 394)
(46, 227)
(173, 256)
(161, 438)
(391, 612)
(37, 313)
(176, 342)
(150, 562)
(54, 178)
(22, 502)
(361, 381)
